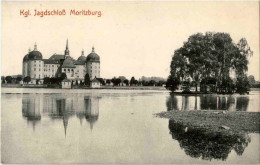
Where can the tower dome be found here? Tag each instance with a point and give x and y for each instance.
(25, 58)
(35, 54)
(93, 57)
(82, 57)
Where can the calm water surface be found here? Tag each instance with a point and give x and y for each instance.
(116, 126)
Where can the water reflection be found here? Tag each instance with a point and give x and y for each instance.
(198, 143)
(60, 108)
(31, 110)
(207, 102)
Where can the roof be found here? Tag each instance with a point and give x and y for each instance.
(35, 55)
(93, 57)
(82, 58)
(95, 80)
(68, 63)
(79, 62)
(66, 80)
(25, 57)
(48, 61)
(57, 57)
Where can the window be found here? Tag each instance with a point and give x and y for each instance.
(64, 70)
(39, 76)
(34, 69)
(34, 75)
(52, 65)
(39, 69)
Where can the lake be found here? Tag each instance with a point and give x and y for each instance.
(116, 126)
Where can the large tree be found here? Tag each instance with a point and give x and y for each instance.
(210, 55)
(27, 79)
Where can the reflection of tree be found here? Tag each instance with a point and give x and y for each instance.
(242, 103)
(172, 103)
(207, 102)
(31, 109)
(200, 143)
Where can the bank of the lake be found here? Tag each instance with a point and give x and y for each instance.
(216, 121)
(84, 87)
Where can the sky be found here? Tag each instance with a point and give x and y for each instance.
(132, 38)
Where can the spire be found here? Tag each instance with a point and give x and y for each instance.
(65, 124)
(35, 46)
(29, 50)
(67, 52)
(93, 49)
(82, 53)
(67, 45)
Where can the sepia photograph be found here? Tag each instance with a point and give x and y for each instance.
(130, 82)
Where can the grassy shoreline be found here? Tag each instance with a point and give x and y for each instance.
(213, 121)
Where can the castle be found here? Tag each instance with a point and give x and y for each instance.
(38, 68)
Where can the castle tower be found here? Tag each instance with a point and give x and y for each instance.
(93, 64)
(67, 52)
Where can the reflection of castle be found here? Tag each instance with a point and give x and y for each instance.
(92, 110)
(207, 102)
(199, 143)
(61, 108)
(31, 108)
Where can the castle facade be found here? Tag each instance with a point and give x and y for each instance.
(38, 68)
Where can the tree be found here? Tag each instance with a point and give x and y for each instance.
(172, 83)
(18, 79)
(251, 79)
(8, 79)
(118, 81)
(152, 83)
(3, 79)
(108, 81)
(132, 81)
(126, 82)
(46, 80)
(63, 76)
(101, 80)
(54, 80)
(113, 80)
(27, 79)
(87, 80)
(210, 55)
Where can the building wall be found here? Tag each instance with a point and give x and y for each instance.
(70, 72)
(66, 84)
(93, 69)
(80, 72)
(25, 68)
(50, 70)
(35, 69)
(95, 84)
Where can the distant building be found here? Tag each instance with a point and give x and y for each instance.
(66, 84)
(38, 68)
(95, 83)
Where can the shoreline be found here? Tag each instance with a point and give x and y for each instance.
(230, 122)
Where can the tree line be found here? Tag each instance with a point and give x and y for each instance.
(211, 58)
(115, 81)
